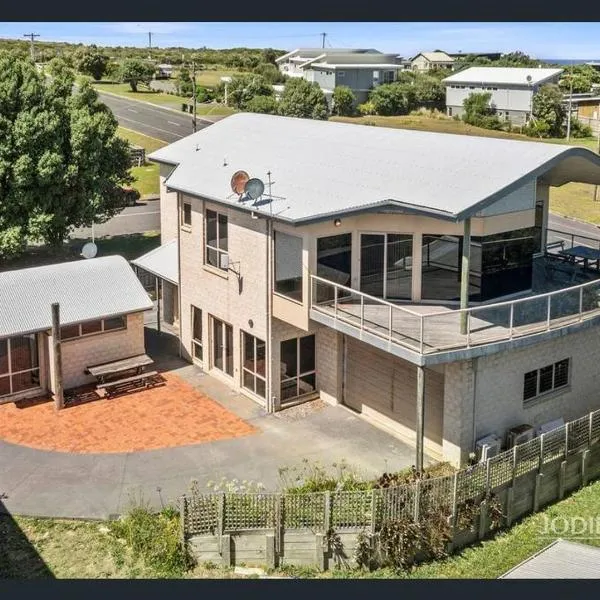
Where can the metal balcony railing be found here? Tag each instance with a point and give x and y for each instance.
(431, 329)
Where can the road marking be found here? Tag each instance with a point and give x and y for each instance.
(177, 135)
(173, 123)
(132, 110)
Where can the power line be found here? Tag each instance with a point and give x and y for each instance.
(32, 37)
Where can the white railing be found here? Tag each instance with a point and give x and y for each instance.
(438, 331)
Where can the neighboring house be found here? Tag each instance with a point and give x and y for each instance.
(164, 71)
(426, 61)
(343, 280)
(101, 305)
(360, 70)
(586, 108)
(488, 55)
(290, 63)
(512, 89)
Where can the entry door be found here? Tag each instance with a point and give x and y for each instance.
(222, 346)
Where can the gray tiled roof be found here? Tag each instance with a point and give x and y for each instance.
(322, 168)
(85, 289)
(162, 261)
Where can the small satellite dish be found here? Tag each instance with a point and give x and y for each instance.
(238, 181)
(254, 188)
(89, 250)
(528, 78)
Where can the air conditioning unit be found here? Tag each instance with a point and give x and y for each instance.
(519, 435)
(488, 446)
(550, 426)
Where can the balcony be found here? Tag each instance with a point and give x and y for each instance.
(564, 294)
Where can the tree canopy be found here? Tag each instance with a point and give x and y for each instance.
(92, 62)
(343, 101)
(549, 109)
(134, 71)
(61, 162)
(301, 98)
(479, 112)
(243, 88)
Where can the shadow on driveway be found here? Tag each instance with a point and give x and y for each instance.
(18, 557)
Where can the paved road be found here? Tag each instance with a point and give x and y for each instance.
(154, 121)
(135, 219)
(568, 227)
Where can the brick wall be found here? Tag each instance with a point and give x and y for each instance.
(100, 348)
(168, 208)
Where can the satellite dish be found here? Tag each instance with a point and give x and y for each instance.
(238, 181)
(528, 78)
(89, 250)
(254, 188)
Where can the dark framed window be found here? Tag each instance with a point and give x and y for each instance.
(541, 381)
(298, 371)
(186, 214)
(254, 364)
(217, 243)
(71, 332)
(197, 348)
(288, 265)
(19, 364)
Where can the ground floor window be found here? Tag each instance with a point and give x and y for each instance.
(298, 375)
(19, 364)
(254, 364)
(197, 333)
(546, 379)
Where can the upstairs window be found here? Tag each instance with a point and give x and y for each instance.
(288, 265)
(217, 246)
(186, 214)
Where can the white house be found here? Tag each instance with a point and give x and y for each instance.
(512, 89)
(425, 61)
(344, 280)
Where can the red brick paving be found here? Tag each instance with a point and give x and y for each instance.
(169, 415)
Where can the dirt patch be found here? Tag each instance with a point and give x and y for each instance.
(300, 411)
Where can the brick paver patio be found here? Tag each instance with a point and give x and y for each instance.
(166, 416)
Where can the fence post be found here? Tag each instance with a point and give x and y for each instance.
(567, 440)
(487, 477)
(335, 302)
(514, 464)
(510, 499)
(536, 492)
(512, 317)
(373, 511)
(182, 513)
(548, 314)
(327, 511)
(590, 429)
(561, 479)
(422, 335)
(221, 520)
(417, 501)
(280, 529)
(580, 304)
(584, 467)
(390, 324)
(362, 312)
(483, 518)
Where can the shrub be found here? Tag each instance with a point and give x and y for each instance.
(262, 104)
(314, 477)
(154, 538)
(393, 99)
(366, 109)
(580, 130)
(537, 128)
(343, 101)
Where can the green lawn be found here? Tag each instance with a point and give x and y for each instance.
(573, 199)
(209, 78)
(160, 98)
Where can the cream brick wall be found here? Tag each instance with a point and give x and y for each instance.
(219, 293)
(329, 364)
(96, 349)
(498, 383)
(168, 208)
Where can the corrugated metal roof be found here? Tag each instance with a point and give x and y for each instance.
(162, 262)
(85, 289)
(560, 560)
(322, 168)
(503, 75)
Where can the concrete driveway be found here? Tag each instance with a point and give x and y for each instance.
(56, 484)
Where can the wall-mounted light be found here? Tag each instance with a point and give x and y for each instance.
(250, 323)
(337, 222)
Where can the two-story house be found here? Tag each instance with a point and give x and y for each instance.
(360, 70)
(390, 271)
(512, 89)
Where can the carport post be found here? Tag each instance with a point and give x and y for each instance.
(59, 401)
(157, 291)
(420, 417)
(464, 276)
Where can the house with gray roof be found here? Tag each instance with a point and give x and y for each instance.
(101, 305)
(408, 276)
(511, 88)
(359, 69)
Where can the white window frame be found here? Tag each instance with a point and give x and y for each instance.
(196, 343)
(184, 225)
(208, 247)
(254, 373)
(10, 373)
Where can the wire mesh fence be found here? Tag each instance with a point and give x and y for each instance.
(346, 510)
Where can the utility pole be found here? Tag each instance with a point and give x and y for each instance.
(323, 35)
(194, 93)
(32, 37)
(598, 126)
(150, 40)
(570, 104)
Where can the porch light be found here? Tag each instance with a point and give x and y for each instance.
(337, 222)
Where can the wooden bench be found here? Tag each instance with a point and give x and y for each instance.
(113, 386)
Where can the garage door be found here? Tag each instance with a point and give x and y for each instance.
(384, 387)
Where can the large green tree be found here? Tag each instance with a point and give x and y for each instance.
(393, 98)
(61, 162)
(301, 98)
(548, 108)
(479, 112)
(92, 62)
(243, 88)
(135, 71)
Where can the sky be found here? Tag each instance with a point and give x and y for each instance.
(540, 40)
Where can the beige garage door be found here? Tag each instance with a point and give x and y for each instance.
(385, 387)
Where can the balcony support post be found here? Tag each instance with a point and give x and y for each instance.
(464, 275)
(420, 417)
